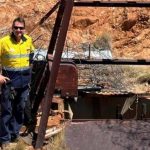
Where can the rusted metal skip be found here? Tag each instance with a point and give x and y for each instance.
(67, 80)
(68, 5)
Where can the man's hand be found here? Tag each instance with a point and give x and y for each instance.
(3, 79)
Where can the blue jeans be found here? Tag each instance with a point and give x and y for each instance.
(12, 113)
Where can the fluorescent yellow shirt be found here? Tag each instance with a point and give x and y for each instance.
(15, 55)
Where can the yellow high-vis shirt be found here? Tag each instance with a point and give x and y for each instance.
(15, 55)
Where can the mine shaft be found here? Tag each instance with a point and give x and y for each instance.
(85, 112)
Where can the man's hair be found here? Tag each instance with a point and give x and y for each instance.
(18, 19)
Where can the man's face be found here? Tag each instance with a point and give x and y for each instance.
(18, 29)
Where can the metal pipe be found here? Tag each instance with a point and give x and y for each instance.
(45, 17)
(56, 29)
(54, 71)
(112, 4)
(49, 13)
(113, 61)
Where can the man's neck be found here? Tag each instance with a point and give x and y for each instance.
(16, 39)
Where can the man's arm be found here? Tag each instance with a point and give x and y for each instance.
(3, 79)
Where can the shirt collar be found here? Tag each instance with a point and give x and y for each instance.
(23, 38)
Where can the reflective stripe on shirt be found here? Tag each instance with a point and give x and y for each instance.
(15, 56)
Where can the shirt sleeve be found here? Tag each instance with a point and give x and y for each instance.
(0, 50)
(32, 47)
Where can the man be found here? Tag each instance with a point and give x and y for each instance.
(15, 52)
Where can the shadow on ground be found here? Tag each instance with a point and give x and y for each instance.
(108, 135)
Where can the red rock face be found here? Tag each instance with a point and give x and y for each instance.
(127, 27)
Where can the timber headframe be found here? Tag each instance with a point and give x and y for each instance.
(57, 43)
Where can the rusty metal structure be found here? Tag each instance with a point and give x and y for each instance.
(63, 75)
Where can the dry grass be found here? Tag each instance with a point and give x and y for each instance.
(56, 142)
(115, 77)
(103, 42)
(144, 78)
(18, 146)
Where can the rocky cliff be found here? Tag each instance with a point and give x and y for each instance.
(128, 28)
